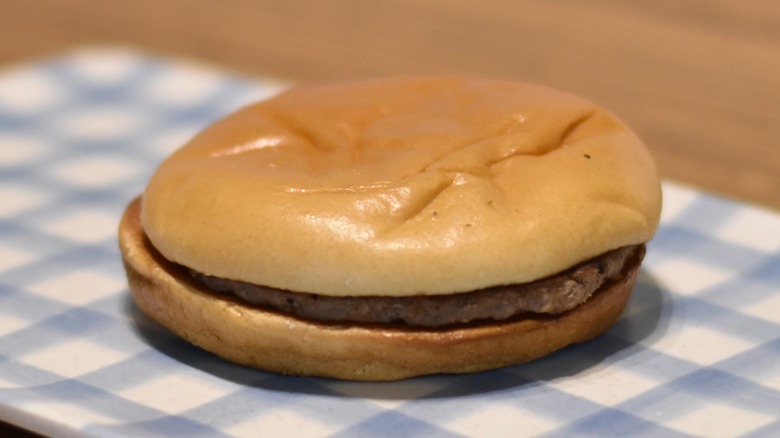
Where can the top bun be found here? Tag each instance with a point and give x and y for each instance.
(405, 186)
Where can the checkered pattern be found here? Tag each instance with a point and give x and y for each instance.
(697, 352)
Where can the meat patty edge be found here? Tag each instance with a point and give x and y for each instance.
(552, 295)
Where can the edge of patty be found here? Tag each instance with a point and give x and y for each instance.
(551, 295)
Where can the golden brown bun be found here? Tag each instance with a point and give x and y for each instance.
(285, 344)
(403, 187)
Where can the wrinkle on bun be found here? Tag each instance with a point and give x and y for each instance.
(406, 186)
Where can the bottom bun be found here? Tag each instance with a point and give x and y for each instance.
(289, 345)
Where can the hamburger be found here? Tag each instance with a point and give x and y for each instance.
(390, 228)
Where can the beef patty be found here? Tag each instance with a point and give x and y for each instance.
(551, 295)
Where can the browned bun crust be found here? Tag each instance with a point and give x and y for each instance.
(289, 345)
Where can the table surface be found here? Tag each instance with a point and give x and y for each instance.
(698, 80)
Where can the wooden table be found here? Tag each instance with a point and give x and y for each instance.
(698, 80)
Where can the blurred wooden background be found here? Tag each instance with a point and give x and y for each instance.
(698, 80)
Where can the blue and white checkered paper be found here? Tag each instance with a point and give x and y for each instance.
(697, 352)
